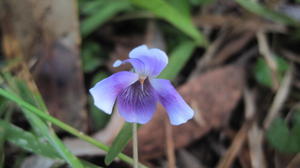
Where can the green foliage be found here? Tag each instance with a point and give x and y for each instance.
(169, 13)
(119, 143)
(91, 56)
(39, 126)
(27, 140)
(99, 119)
(2, 140)
(182, 6)
(262, 71)
(32, 143)
(178, 58)
(100, 13)
(284, 139)
(200, 2)
(98, 77)
(259, 9)
(90, 7)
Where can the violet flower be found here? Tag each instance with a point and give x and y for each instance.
(137, 93)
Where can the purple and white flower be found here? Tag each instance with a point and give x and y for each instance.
(137, 93)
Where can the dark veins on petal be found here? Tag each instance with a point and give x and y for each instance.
(138, 96)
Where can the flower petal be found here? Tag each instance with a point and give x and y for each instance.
(178, 110)
(137, 103)
(106, 91)
(138, 65)
(155, 60)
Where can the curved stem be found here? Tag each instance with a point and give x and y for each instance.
(135, 146)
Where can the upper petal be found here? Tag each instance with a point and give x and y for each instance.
(178, 110)
(138, 65)
(147, 62)
(106, 91)
(137, 103)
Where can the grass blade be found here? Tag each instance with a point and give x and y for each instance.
(167, 12)
(2, 137)
(178, 59)
(92, 22)
(29, 142)
(72, 160)
(119, 143)
(41, 128)
(182, 6)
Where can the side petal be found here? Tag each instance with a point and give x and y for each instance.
(155, 60)
(137, 103)
(106, 91)
(178, 110)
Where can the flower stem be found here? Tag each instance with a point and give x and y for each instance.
(135, 146)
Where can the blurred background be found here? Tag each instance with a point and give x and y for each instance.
(234, 61)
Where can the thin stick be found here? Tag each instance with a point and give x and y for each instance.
(280, 97)
(170, 145)
(135, 146)
(266, 52)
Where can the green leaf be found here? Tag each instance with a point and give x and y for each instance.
(259, 9)
(29, 142)
(119, 143)
(91, 56)
(201, 2)
(2, 139)
(99, 76)
(284, 139)
(41, 127)
(167, 12)
(56, 143)
(89, 164)
(107, 11)
(182, 6)
(91, 6)
(178, 58)
(263, 74)
(278, 134)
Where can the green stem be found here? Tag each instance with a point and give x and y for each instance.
(135, 145)
(61, 124)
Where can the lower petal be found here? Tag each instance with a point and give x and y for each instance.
(178, 110)
(106, 91)
(137, 103)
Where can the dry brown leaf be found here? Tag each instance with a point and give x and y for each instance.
(232, 47)
(236, 23)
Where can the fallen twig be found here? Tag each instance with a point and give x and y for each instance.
(280, 97)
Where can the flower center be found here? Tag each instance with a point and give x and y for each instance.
(138, 93)
(142, 80)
